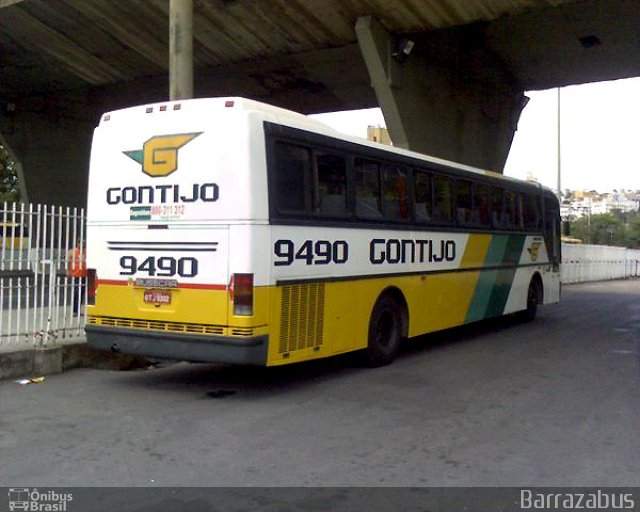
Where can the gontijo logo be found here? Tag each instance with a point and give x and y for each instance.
(159, 155)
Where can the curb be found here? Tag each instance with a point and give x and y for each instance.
(51, 361)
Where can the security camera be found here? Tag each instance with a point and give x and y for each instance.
(403, 50)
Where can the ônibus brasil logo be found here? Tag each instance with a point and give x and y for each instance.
(159, 155)
(21, 498)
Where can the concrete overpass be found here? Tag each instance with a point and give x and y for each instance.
(458, 94)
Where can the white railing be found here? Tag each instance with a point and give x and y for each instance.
(37, 298)
(582, 263)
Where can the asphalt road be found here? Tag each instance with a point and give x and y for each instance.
(551, 403)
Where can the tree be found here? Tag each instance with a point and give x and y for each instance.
(9, 190)
(600, 229)
(632, 231)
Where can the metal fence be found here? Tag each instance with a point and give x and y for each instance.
(41, 305)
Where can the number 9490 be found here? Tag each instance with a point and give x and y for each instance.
(165, 266)
(319, 252)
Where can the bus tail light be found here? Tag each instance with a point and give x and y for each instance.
(92, 286)
(241, 294)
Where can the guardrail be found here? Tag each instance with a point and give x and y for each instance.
(583, 263)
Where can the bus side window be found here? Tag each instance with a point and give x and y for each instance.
(463, 202)
(294, 183)
(498, 215)
(519, 215)
(395, 195)
(442, 205)
(332, 184)
(513, 209)
(509, 209)
(481, 205)
(367, 189)
(531, 212)
(423, 196)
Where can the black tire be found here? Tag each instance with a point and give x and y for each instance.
(534, 295)
(385, 332)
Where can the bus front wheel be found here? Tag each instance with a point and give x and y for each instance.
(385, 332)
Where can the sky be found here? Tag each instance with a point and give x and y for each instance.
(599, 135)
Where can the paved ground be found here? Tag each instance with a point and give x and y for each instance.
(555, 402)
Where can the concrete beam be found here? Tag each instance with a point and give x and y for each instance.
(127, 29)
(7, 3)
(21, 26)
(449, 97)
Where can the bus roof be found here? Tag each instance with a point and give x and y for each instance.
(293, 120)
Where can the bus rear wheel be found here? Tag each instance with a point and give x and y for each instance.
(385, 332)
(534, 295)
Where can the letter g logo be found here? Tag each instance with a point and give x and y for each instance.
(159, 155)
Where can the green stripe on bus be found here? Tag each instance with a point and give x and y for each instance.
(500, 292)
(513, 251)
(481, 296)
(495, 254)
(493, 286)
(504, 278)
(484, 286)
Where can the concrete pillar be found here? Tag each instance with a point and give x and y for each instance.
(181, 49)
(448, 97)
(385, 73)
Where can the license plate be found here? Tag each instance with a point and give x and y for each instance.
(157, 297)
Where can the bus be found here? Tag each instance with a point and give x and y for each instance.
(227, 230)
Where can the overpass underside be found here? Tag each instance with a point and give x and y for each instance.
(455, 93)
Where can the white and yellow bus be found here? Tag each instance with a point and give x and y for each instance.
(227, 230)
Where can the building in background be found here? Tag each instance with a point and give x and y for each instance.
(378, 134)
(580, 203)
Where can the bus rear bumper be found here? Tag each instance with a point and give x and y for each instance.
(179, 347)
